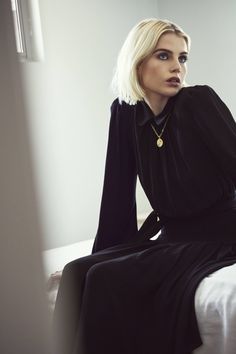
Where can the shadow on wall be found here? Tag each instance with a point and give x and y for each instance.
(24, 318)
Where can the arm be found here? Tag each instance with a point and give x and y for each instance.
(117, 220)
(217, 127)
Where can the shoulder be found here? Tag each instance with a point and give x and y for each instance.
(204, 106)
(122, 118)
(198, 94)
(198, 97)
(122, 113)
(121, 107)
(196, 89)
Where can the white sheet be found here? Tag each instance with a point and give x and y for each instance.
(55, 259)
(215, 304)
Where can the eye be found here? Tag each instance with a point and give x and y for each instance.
(162, 56)
(183, 59)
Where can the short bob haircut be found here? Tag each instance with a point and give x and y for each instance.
(139, 45)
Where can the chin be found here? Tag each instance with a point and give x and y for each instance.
(173, 91)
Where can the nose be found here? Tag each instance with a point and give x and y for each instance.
(175, 67)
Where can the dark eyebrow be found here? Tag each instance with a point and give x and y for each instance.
(167, 50)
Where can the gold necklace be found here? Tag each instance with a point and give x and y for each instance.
(160, 141)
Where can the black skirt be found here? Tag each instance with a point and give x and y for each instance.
(138, 298)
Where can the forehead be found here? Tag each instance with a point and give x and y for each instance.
(172, 41)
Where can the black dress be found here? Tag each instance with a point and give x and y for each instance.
(134, 294)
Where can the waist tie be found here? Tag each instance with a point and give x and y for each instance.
(215, 220)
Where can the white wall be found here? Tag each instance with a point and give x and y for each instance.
(68, 101)
(211, 26)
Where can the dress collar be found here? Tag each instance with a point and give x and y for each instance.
(145, 113)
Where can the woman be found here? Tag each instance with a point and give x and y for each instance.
(135, 295)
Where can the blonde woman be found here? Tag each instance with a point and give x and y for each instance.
(134, 294)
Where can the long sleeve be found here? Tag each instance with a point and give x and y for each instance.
(217, 127)
(118, 220)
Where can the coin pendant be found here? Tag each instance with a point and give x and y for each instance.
(159, 142)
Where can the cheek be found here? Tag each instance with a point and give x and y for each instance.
(184, 71)
(150, 73)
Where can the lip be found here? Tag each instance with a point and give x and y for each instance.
(174, 79)
(173, 83)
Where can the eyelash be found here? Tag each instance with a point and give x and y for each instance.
(159, 56)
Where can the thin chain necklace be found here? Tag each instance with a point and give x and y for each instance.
(160, 141)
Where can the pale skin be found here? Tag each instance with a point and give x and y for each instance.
(167, 61)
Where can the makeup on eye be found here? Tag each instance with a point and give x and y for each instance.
(165, 54)
(162, 56)
(183, 58)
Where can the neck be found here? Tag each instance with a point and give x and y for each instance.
(156, 104)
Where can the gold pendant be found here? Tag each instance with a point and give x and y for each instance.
(159, 142)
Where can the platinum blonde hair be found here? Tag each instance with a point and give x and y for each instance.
(139, 45)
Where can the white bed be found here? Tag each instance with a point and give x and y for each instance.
(215, 299)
